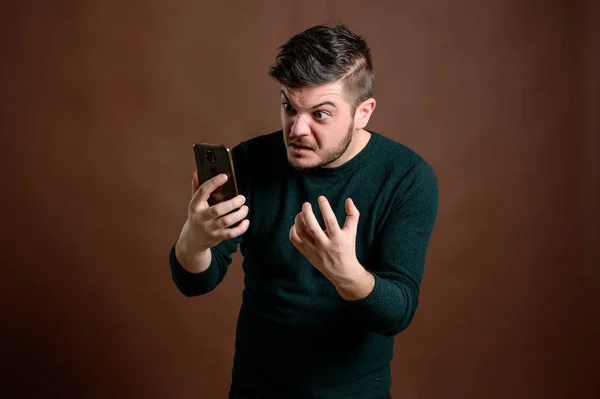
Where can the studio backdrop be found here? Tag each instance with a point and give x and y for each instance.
(101, 102)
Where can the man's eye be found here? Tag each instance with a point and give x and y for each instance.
(288, 108)
(321, 115)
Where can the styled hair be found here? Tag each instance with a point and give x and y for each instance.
(324, 54)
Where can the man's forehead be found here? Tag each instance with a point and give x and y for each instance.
(333, 92)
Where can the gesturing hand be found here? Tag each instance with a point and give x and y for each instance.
(333, 250)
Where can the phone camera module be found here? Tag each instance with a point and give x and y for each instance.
(210, 155)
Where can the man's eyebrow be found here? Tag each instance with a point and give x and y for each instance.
(323, 103)
(314, 106)
(286, 97)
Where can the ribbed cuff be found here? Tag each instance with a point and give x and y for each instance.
(190, 283)
(383, 310)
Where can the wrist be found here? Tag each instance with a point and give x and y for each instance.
(194, 262)
(356, 285)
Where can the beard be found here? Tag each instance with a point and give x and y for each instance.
(330, 155)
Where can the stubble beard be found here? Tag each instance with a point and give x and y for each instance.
(330, 156)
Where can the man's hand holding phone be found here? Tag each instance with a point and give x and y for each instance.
(207, 226)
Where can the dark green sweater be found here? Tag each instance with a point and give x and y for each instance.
(296, 337)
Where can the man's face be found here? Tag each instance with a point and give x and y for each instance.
(317, 125)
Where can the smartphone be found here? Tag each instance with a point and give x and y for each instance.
(212, 160)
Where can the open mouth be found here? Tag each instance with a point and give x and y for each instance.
(300, 150)
(300, 147)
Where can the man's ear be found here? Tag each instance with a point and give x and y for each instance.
(363, 113)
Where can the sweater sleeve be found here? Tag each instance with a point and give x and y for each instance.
(397, 258)
(194, 284)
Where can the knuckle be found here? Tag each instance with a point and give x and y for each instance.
(229, 233)
(193, 212)
(336, 247)
(212, 234)
(213, 211)
(224, 222)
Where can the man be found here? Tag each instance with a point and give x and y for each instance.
(336, 221)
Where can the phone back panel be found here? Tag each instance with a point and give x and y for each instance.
(211, 160)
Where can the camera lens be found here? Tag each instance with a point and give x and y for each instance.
(211, 156)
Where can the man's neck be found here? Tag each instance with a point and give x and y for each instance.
(359, 142)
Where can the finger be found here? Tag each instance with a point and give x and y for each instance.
(233, 232)
(221, 209)
(229, 219)
(352, 213)
(312, 225)
(296, 240)
(302, 231)
(207, 188)
(331, 223)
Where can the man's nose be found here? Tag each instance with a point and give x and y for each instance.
(300, 127)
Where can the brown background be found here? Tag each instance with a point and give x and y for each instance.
(102, 100)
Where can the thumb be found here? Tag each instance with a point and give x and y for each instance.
(352, 216)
